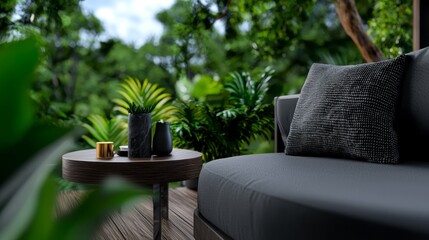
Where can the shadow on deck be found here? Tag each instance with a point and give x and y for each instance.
(135, 222)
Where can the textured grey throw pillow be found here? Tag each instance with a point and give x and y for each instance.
(348, 111)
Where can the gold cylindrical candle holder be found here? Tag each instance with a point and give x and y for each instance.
(104, 150)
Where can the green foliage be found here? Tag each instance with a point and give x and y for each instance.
(85, 218)
(201, 87)
(19, 117)
(79, 76)
(66, 63)
(246, 92)
(391, 26)
(28, 191)
(220, 130)
(192, 129)
(145, 96)
(81, 222)
(274, 24)
(345, 58)
(136, 97)
(6, 9)
(135, 109)
(80, 72)
(104, 130)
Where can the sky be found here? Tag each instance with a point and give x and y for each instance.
(133, 21)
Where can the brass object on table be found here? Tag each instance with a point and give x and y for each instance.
(105, 150)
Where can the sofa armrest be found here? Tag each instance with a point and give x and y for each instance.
(284, 108)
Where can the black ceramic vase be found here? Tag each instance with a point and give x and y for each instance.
(139, 135)
(162, 143)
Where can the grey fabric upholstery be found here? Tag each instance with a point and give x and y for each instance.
(284, 107)
(276, 196)
(413, 117)
(348, 111)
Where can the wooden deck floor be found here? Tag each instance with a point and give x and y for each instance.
(136, 223)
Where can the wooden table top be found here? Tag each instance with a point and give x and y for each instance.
(83, 167)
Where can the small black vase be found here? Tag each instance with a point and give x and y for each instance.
(139, 135)
(162, 143)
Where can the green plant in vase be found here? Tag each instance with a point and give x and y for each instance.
(135, 109)
(144, 103)
(139, 130)
(136, 98)
(145, 95)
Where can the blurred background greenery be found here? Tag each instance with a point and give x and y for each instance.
(79, 73)
(57, 74)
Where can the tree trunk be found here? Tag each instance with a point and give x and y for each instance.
(353, 26)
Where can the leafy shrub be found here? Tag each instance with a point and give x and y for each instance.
(219, 130)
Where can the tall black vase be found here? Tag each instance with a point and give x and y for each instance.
(139, 135)
(162, 143)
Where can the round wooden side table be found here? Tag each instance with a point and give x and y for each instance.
(84, 167)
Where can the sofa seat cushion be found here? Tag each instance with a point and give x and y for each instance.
(274, 196)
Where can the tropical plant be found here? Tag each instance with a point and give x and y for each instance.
(248, 111)
(135, 109)
(192, 130)
(146, 96)
(137, 97)
(246, 92)
(221, 130)
(102, 130)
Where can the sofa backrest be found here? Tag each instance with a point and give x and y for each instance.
(413, 108)
(284, 108)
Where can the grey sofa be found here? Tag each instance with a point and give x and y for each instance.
(276, 196)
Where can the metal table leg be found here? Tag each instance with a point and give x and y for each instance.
(157, 211)
(160, 208)
(164, 200)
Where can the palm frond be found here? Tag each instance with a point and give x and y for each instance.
(101, 129)
(145, 96)
(232, 113)
(99, 126)
(138, 109)
(246, 91)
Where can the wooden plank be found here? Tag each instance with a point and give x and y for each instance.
(135, 221)
(109, 230)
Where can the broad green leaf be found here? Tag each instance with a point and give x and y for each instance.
(42, 222)
(17, 63)
(19, 194)
(204, 85)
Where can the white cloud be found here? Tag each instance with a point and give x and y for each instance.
(130, 20)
